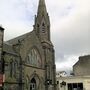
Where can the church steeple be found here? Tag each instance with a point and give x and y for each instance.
(42, 7)
(42, 22)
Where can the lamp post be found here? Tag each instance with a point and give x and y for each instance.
(63, 84)
(49, 84)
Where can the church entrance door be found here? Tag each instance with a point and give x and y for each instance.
(33, 84)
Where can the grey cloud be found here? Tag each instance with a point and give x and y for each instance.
(70, 27)
(72, 39)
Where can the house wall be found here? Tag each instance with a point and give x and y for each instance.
(82, 67)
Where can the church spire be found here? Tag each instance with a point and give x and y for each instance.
(42, 22)
(42, 8)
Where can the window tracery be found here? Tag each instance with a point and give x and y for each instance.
(34, 58)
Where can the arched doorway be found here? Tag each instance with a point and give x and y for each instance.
(33, 84)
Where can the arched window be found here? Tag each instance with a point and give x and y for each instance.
(15, 68)
(11, 69)
(34, 58)
(33, 84)
(43, 28)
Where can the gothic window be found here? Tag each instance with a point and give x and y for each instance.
(27, 83)
(7, 69)
(11, 69)
(33, 58)
(15, 68)
(33, 84)
(43, 27)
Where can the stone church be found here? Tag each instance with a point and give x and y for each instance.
(29, 61)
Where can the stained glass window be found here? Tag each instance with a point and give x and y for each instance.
(34, 58)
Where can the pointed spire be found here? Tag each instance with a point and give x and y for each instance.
(42, 7)
(42, 22)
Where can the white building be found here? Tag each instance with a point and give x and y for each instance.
(73, 83)
(61, 74)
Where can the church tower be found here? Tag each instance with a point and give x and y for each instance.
(42, 22)
(42, 29)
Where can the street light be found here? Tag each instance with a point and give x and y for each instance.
(49, 82)
(63, 84)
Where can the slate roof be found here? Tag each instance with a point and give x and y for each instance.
(20, 38)
(83, 60)
(8, 49)
(8, 45)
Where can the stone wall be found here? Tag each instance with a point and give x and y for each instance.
(82, 67)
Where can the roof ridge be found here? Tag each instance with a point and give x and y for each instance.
(15, 40)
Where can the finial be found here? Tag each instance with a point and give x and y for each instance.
(42, 7)
(1, 28)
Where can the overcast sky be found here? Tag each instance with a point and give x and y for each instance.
(70, 29)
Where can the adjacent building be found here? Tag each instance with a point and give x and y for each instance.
(73, 83)
(61, 74)
(80, 80)
(82, 67)
(29, 58)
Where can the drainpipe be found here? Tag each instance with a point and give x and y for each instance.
(1, 59)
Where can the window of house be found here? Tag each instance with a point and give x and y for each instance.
(75, 86)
